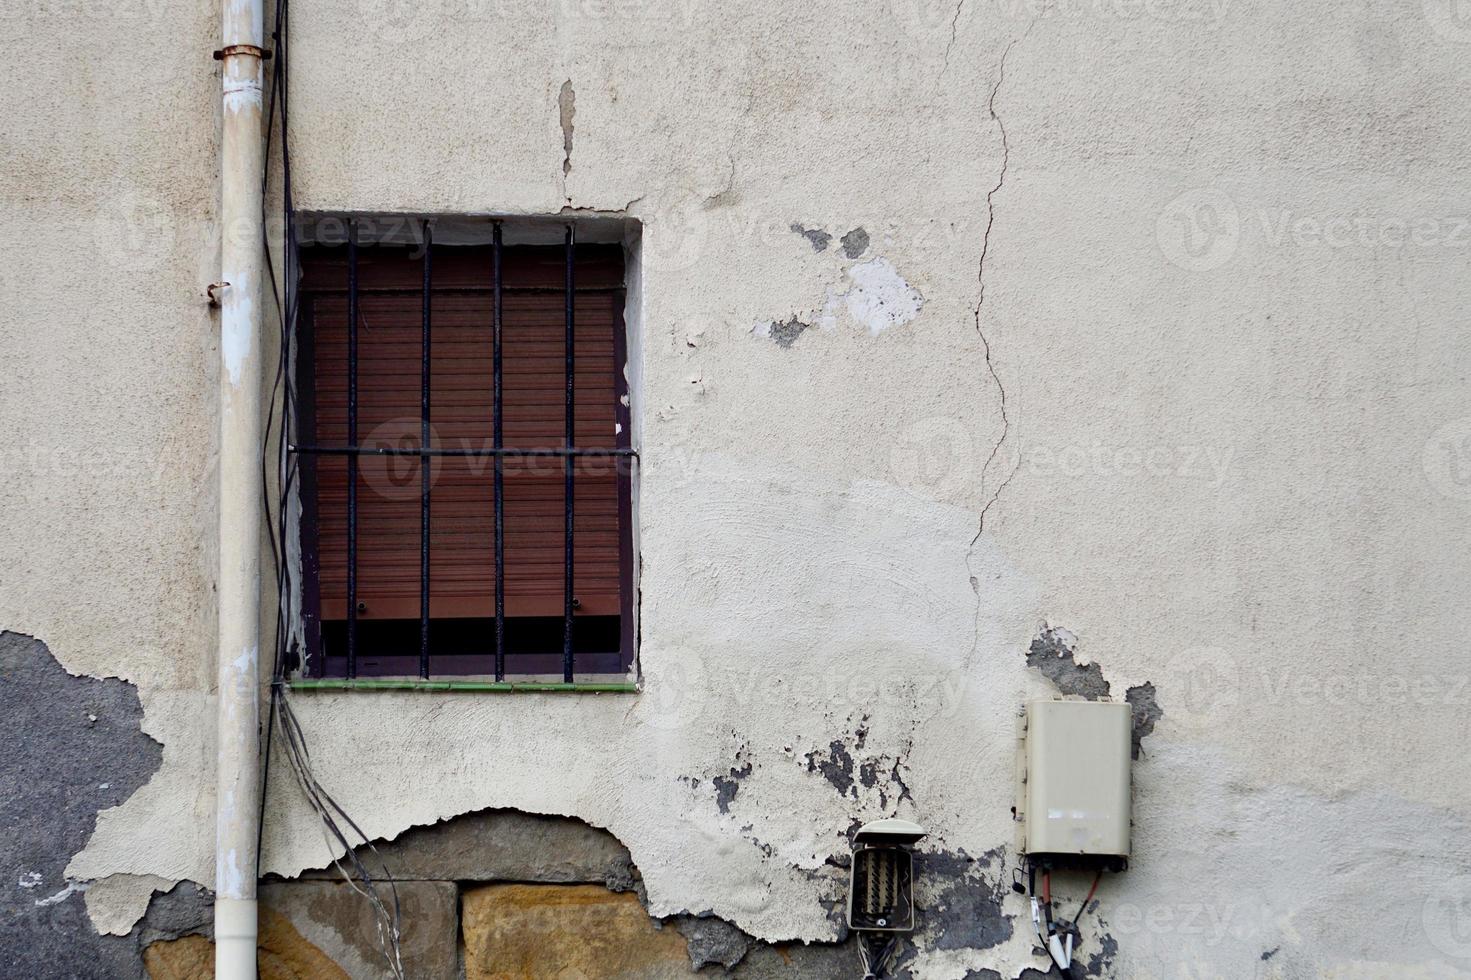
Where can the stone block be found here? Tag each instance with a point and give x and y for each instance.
(339, 922)
(506, 845)
(567, 932)
(281, 954)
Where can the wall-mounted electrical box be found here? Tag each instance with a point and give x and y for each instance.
(1073, 801)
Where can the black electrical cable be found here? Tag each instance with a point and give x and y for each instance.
(284, 296)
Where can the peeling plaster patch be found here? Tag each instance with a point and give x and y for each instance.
(235, 329)
(1268, 954)
(187, 909)
(1146, 712)
(726, 787)
(819, 239)
(117, 902)
(785, 334)
(567, 110)
(880, 298)
(1100, 964)
(855, 243)
(1051, 653)
(963, 907)
(64, 736)
(837, 768)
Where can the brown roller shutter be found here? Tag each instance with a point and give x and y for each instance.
(462, 563)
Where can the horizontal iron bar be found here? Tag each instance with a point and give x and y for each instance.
(395, 451)
(487, 687)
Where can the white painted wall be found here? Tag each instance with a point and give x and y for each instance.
(1225, 297)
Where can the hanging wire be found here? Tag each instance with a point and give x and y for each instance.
(340, 833)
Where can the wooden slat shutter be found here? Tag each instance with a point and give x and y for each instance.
(462, 564)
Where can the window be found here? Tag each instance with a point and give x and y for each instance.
(466, 493)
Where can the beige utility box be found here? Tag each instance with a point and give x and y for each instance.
(1074, 771)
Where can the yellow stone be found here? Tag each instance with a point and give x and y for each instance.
(190, 958)
(565, 932)
(282, 954)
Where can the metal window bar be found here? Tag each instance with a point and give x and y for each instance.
(352, 440)
(424, 467)
(567, 488)
(497, 438)
(425, 451)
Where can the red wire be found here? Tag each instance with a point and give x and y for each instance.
(1084, 907)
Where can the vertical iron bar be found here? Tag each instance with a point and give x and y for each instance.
(424, 459)
(567, 597)
(500, 501)
(352, 440)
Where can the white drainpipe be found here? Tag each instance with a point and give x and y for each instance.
(237, 787)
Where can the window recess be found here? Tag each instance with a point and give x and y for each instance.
(464, 445)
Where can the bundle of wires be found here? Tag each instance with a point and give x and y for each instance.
(874, 949)
(341, 834)
(1057, 936)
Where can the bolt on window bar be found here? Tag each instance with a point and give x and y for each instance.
(498, 452)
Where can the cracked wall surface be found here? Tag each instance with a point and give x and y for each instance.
(1171, 357)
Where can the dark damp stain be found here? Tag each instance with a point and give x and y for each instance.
(1146, 712)
(1052, 655)
(818, 238)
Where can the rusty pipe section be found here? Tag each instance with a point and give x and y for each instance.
(237, 774)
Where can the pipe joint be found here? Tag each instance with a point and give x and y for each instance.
(243, 50)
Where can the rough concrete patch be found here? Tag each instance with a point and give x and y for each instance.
(567, 110)
(187, 909)
(855, 243)
(1051, 653)
(819, 239)
(72, 746)
(726, 787)
(1100, 963)
(837, 768)
(713, 941)
(957, 906)
(785, 333)
(1146, 712)
(506, 845)
(331, 919)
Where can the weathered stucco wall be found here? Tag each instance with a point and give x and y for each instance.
(1173, 316)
